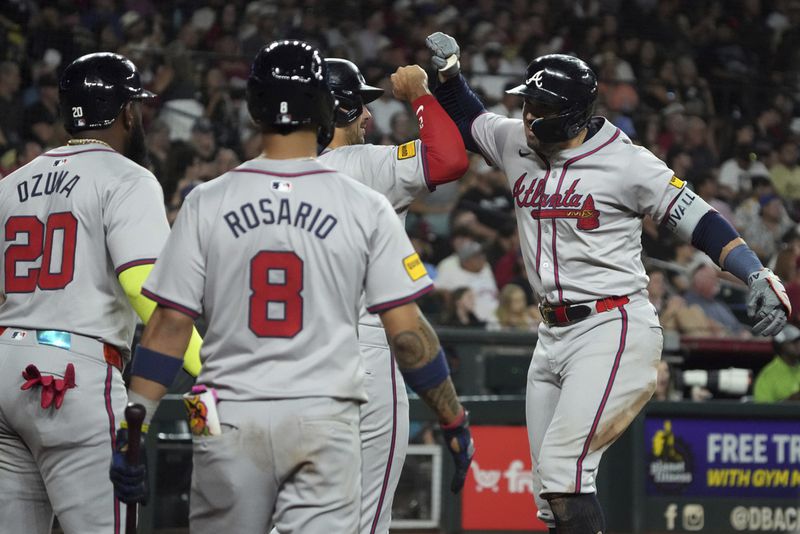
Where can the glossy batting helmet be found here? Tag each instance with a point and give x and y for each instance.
(567, 84)
(94, 88)
(289, 87)
(350, 90)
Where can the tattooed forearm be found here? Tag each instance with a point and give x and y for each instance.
(415, 348)
(443, 400)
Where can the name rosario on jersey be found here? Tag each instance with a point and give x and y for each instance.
(304, 216)
(55, 182)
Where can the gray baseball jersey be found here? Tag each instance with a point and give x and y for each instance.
(396, 172)
(579, 214)
(275, 255)
(73, 219)
(399, 174)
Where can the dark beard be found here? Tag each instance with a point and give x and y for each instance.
(136, 149)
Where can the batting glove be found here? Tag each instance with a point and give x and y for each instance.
(130, 481)
(445, 52)
(459, 442)
(767, 303)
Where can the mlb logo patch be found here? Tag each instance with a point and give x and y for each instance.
(18, 334)
(282, 186)
(80, 123)
(58, 162)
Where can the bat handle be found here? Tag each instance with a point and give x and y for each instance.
(134, 416)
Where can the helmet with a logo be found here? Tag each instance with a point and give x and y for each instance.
(566, 84)
(94, 88)
(288, 87)
(350, 89)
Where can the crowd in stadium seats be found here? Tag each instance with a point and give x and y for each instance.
(711, 87)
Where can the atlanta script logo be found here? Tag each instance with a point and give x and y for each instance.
(566, 205)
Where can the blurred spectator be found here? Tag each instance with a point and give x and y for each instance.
(468, 267)
(460, 309)
(787, 269)
(749, 209)
(665, 387)
(15, 158)
(616, 81)
(509, 105)
(513, 312)
(202, 140)
(703, 291)
(492, 71)
(489, 198)
(158, 148)
(219, 108)
(698, 143)
(41, 117)
(737, 172)
(384, 108)
(706, 185)
(779, 381)
(10, 105)
(693, 88)
(402, 128)
(765, 232)
(674, 313)
(785, 174)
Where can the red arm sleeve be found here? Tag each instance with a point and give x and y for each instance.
(443, 149)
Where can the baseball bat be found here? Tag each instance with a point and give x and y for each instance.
(134, 415)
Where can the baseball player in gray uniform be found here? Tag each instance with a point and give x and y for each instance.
(581, 189)
(80, 224)
(400, 173)
(276, 255)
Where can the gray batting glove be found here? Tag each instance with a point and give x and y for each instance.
(445, 52)
(767, 303)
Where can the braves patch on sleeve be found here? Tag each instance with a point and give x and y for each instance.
(407, 150)
(414, 267)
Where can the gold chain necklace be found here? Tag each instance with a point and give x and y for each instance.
(73, 142)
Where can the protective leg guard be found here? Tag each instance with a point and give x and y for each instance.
(577, 514)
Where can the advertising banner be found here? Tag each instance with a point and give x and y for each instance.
(740, 458)
(498, 494)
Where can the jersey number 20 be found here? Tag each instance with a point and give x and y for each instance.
(276, 307)
(41, 241)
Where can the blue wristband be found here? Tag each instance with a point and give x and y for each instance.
(429, 375)
(155, 366)
(741, 262)
(712, 234)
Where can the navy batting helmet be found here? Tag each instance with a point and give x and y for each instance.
(565, 83)
(350, 90)
(94, 88)
(289, 87)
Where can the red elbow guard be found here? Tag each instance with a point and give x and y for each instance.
(443, 149)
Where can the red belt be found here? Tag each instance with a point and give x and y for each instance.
(571, 313)
(111, 354)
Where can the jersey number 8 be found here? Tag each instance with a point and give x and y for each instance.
(41, 241)
(276, 307)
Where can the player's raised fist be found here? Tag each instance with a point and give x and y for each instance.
(410, 83)
(445, 54)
